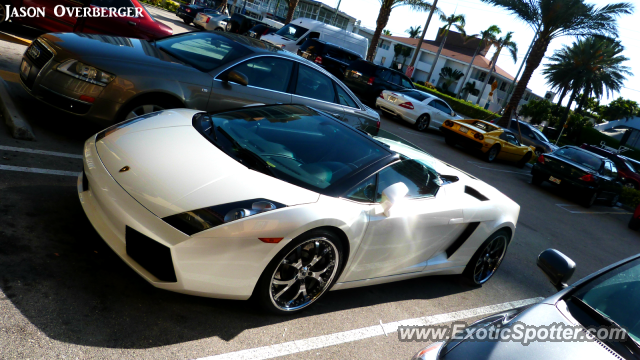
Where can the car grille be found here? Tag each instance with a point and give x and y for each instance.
(151, 255)
(64, 103)
(44, 54)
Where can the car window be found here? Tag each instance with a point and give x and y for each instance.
(267, 72)
(524, 129)
(292, 32)
(315, 85)
(344, 98)
(384, 74)
(118, 4)
(420, 96)
(404, 82)
(203, 50)
(440, 105)
(363, 192)
(607, 169)
(396, 78)
(581, 157)
(540, 135)
(614, 170)
(421, 180)
(512, 139)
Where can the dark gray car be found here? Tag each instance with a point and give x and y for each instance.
(108, 79)
(532, 137)
(607, 298)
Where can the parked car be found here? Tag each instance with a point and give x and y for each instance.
(284, 189)
(331, 57)
(532, 137)
(416, 107)
(607, 298)
(205, 70)
(260, 30)
(490, 140)
(634, 222)
(589, 175)
(627, 168)
(241, 24)
(189, 12)
(142, 27)
(211, 20)
(295, 33)
(367, 80)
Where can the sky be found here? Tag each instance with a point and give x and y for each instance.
(480, 16)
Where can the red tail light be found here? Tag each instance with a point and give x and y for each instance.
(588, 178)
(265, 32)
(478, 136)
(448, 123)
(86, 98)
(208, 18)
(407, 105)
(370, 82)
(381, 97)
(541, 159)
(378, 124)
(318, 60)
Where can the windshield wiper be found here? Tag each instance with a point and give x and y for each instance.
(631, 344)
(244, 152)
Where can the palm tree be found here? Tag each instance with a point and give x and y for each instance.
(406, 52)
(397, 49)
(453, 20)
(414, 31)
(486, 37)
(386, 32)
(386, 6)
(450, 76)
(470, 88)
(557, 18)
(501, 43)
(292, 7)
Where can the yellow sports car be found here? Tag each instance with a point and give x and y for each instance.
(493, 141)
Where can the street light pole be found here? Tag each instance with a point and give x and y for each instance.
(419, 46)
(335, 16)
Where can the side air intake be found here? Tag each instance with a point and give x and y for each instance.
(462, 238)
(473, 192)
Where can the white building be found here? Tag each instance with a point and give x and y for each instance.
(455, 54)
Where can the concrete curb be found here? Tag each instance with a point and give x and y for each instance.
(14, 119)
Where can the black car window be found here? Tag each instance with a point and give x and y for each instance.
(344, 98)
(511, 139)
(384, 74)
(524, 129)
(267, 72)
(581, 157)
(540, 135)
(292, 32)
(315, 85)
(414, 94)
(363, 192)
(341, 55)
(421, 180)
(203, 50)
(118, 4)
(607, 169)
(405, 82)
(440, 105)
(396, 78)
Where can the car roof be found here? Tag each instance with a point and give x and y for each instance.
(585, 150)
(336, 46)
(255, 45)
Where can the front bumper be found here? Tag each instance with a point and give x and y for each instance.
(463, 140)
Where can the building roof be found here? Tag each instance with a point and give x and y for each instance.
(452, 51)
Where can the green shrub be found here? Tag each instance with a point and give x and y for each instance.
(461, 106)
(630, 197)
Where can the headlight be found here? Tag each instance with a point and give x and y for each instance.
(428, 353)
(195, 221)
(85, 72)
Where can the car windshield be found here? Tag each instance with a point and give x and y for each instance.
(292, 32)
(539, 134)
(583, 158)
(614, 295)
(203, 50)
(292, 143)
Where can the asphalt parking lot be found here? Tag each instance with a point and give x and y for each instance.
(65, 294)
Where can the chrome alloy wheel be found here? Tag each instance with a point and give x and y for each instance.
(490, 259)
(304, 274)
(142, 110)
(493, 152)
(422, 123)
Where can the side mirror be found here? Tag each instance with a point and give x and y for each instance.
(557, 267)
(392, 195)
(237, 77)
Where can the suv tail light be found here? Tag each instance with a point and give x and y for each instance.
(588, 178)
(208, 18)
(378, 125)
(265, 32)
(541, 159)
(370, 82)
(381, 96)
(407, 105)
(318, 60)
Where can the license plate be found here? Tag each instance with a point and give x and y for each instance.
(463, 129)
(392, 98)
(552, 179)
(25, 68)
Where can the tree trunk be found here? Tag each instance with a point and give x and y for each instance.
(535, 57)
(562, 95)
(491, 70)
(585, 95)
(223, 6)
(435, 61)
(292, 7)
(469, 69)
(381, 23)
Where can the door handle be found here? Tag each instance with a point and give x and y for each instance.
(132, 23)
(456, 221)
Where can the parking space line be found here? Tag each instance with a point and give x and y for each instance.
(297, 346)
(41, 152)
(494, 169)
(562, 206)
(39, 171)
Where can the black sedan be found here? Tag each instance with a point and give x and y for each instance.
(188, 12)
(606, 299)
(589, 175)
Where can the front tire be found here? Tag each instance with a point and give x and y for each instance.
(422, 123)
(525, 159)
(301, 272)
(186, 21)
(485, 262)
(145, 106)
(492, 154)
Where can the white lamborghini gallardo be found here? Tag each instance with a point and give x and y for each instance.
(284, 203)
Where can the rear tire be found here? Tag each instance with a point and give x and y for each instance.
(492, 154)
(186, 21)
(525, 159)
(422, 123)
(485, 262)
(590, 199)
(634, 224)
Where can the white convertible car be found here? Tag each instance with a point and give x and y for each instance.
(416, 107)
(284, 203)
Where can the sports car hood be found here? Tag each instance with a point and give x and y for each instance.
(173, 169)
(538, 315)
